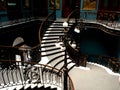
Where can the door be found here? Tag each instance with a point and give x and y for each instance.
(68, 6)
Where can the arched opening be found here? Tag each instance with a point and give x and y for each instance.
(18, 41)
(24, 50)
(68, 6)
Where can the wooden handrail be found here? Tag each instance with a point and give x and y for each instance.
(71, 14)
(41, 26)
(71, 83)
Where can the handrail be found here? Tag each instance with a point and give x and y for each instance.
(74, 11)
(39, 37)
(71, 83)
(30, 73)
(41, 26)
(24, 72)
(108, 11)
(67, 44)
(104, 26)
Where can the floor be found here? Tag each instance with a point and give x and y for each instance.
(95, 77)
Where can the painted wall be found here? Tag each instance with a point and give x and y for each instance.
(97, 42)
(86, 14)
(3, 16)
(58, 11)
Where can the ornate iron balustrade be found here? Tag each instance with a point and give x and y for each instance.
(24, 73)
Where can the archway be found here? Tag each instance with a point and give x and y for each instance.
(17, 41)
(68, 6)
(24, 50)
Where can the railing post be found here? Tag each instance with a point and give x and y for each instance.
(65, 72)
(65, 25)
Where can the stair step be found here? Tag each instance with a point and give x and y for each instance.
(54, 32)
(57, 24)
(45, 46)
(51, 54)
(52, 38)
(51, 49)
(49, 35)
(54, 29)
(48, 41)
(28, 88)
(58, 27)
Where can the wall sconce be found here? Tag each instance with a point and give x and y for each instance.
(65, 24)
(76, 30)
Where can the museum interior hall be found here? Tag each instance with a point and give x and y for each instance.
(59, 44)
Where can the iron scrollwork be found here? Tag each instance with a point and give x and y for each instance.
(32, 74)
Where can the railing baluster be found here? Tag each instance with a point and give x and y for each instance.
(4, 77)
(4, 83)
(20, 75)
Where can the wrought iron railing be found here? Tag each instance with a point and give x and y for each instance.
(16, 71)
(24, 73)
(81, 59)
(73, 53)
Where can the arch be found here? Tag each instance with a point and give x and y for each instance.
(18, 41)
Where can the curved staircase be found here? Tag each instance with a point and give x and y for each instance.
(53, 50)
(13, 74)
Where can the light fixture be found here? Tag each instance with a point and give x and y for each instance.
(76, 30)
(65, 24)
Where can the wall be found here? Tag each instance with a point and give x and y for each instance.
(24, 30)
(97, 42)
(3, 16)
(58, 11)
(86, 14)
(90, 13)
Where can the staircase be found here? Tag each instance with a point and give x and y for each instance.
(53, 50)
(52, 54)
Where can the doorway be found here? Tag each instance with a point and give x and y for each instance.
(68, 6)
